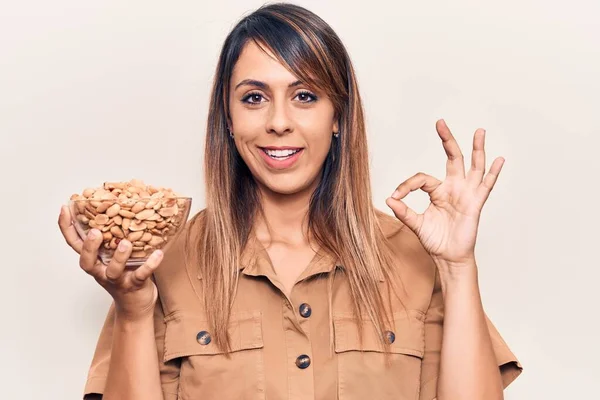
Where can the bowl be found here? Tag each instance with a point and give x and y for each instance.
(149, 223)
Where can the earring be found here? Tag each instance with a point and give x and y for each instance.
(230, 133)
(336, 134)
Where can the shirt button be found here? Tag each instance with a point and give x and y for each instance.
(203, 338)
(303, 361)
(390, 336)
(305, 310)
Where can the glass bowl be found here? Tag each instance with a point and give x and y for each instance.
(148, 223)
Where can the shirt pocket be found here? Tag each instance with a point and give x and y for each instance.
(362, 370)
(206, 372)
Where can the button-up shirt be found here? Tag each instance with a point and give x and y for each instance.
(299, 346)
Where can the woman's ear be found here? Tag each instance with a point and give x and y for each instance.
(336, 126)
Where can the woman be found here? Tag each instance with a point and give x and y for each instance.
(290, 285)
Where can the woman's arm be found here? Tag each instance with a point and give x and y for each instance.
(468, 367)
(134, 367)
(448, 231)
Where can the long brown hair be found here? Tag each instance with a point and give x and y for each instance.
(341, 214)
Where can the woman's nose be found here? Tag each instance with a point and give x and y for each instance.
(278, 120)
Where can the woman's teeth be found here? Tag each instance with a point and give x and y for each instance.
(280, 154)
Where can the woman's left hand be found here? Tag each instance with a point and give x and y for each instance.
(448, 227)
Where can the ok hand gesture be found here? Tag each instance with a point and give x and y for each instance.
(448, 227)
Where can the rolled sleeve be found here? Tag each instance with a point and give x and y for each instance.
(98, 372)
(510, 367)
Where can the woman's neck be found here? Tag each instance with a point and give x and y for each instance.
(284, 217)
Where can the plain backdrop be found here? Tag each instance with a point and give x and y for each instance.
(112, 90)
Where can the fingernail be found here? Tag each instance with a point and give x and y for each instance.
(396, 195)
(92, 234)
(157, 255)
(123, 245)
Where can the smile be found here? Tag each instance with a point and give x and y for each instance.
(280, 158)
(281, 154)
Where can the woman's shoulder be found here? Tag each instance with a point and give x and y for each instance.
(416, 267)
(397, 234)
(176, 278)
(389, 224)
(184, 241)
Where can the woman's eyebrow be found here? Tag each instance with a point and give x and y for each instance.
(262, 85)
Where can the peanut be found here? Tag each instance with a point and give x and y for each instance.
(127, 214)
(135, 236)
(161, 224)
(117, 232)
(137, 226)
(168, 212)
(151, 203)
(103, 207)
(137, 207)
(156, 240)
(101, 219)
(154, 216)
(113, 210)
(145, 214)
(150, 224)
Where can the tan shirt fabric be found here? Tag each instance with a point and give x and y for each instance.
(269, 333)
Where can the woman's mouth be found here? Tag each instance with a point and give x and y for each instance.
(280, 158)
(281, 154)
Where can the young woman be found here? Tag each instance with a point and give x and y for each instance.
(290, 285)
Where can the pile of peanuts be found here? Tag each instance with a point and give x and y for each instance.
(145, 215)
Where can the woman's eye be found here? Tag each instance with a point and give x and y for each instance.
(252, 98)
(306, 97)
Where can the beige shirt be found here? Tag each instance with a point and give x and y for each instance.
(281, 345)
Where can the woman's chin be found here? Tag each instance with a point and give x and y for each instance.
(287, 186)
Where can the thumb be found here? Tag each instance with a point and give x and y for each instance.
(404, 213)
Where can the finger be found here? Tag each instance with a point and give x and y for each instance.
(455, 165)
(405, 214)
(68, 231)
(475, 175)
(490, 179)
(88, 261)
(116, 266)
(140, 275)
(422, 181)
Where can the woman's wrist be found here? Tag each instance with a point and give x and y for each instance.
(125, 317)
(457, 275)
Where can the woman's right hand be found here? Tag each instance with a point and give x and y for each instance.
(133, 291)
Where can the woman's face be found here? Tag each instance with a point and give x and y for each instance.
(282, 129)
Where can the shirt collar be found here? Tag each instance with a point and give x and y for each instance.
(254, 260)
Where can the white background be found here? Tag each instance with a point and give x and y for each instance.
(111, 90)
